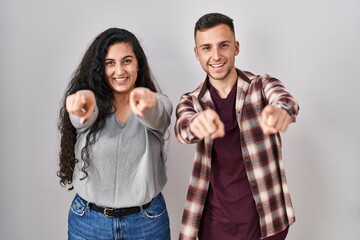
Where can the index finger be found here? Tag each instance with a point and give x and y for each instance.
(220, 130)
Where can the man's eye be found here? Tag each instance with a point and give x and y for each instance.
(206, 49)
(225, 45)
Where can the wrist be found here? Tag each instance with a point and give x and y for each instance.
(284, 107)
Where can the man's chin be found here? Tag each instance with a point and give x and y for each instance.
(218, 76)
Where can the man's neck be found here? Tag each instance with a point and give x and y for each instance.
(224, 86)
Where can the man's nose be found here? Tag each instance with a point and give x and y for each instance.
(216, 54)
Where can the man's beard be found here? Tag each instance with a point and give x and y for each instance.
(222, 78)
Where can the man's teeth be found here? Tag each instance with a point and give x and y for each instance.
(217, 65)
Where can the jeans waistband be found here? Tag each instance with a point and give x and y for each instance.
(116, 212)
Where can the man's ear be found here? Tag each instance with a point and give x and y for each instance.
(196, 53)
(237, 48)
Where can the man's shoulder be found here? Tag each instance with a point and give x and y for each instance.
(249, 74)
(253, 76)
(256, 77)
(196, 91)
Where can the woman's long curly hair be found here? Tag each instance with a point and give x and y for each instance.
(90, 75)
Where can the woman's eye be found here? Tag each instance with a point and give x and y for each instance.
(127, 61)
(109, 63)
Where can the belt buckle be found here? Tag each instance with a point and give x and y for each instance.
(106, 212)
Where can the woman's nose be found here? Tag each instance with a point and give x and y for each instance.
(118, 69)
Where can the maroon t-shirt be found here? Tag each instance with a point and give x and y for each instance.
(229, 212)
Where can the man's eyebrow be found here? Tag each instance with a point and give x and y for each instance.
(209, 44)
(226, 41)
(205, 45)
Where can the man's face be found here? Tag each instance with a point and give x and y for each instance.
(216, 48)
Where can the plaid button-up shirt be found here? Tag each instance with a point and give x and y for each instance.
(261, 153)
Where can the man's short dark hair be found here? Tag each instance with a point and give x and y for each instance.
(211, 20)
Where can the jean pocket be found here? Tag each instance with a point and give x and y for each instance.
(157, 208)
(77, 206)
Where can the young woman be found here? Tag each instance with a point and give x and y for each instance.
(113, 124)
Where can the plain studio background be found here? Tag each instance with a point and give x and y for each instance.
(312, 46)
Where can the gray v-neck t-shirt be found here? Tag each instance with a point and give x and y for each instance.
(127, 163)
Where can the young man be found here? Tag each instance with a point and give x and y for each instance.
(238, 188)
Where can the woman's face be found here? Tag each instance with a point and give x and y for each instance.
(121, 68)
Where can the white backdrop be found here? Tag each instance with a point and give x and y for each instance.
(312, 46)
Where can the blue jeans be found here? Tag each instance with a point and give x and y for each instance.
(86, 224)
